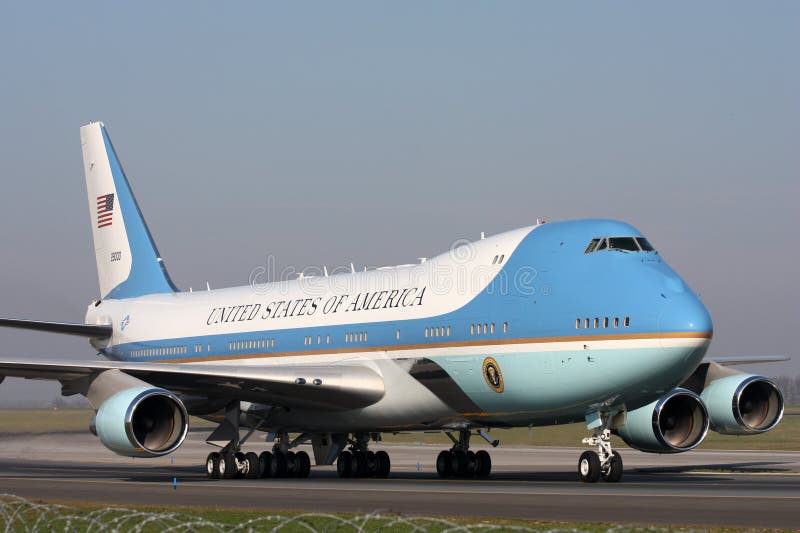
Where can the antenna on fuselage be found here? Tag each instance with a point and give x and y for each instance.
(325, 270)
(352, 268)
(483, 235)
(208, 286)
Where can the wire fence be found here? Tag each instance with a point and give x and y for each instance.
(19, 515)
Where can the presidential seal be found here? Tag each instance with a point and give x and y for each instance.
(492, 374)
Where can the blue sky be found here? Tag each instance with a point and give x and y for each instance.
(324, 133)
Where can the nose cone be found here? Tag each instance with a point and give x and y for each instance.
(685, 313)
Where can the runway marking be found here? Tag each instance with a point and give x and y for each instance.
(434, 491)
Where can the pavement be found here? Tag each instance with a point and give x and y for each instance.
(698, 488)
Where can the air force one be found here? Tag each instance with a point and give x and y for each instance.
(576, 321)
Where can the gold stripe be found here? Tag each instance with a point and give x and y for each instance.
(453, 344)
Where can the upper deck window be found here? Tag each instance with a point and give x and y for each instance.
(625, 244)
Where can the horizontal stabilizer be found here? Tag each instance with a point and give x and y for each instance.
(94, 331)
(752, 360)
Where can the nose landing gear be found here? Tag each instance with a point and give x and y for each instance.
(605, 462)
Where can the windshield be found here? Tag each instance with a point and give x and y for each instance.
(623, 244)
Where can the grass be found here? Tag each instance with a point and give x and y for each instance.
(23, 515)
(784, 437)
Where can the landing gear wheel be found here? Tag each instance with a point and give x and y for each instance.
(264, 461)
(303, 462)
(344, 464)
(384, 464)
(278, 467)
(472, 464)
(227, 465)
(613, 471)
(253, 467)
(358, 464)
(291, 464)
(484, 467)
(444, 464)
(371, 464)
(458, 463)
(212, 465)
(589, 467)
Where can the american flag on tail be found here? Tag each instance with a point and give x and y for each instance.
(105, 210)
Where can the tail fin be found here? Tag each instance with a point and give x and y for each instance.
(128, 263)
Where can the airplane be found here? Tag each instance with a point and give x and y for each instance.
(555, 323)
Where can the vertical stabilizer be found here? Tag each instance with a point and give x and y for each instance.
(128, 263)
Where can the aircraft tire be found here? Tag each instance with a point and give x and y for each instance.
(384, 464)
(253, 468)
(291, 464)
(359, 465)
(614, 472)
(212, 465)
(484, 461)
(472, 464)
(264, 461)
(444, 464)
(344, 464)
(589, 467)
(227, 465)
(303, 465)
(458, 463)
(278, 467)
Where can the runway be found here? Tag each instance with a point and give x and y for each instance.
(749, 489)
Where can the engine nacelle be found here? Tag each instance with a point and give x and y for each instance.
(676, 422)
(141, 422)
(743, 404)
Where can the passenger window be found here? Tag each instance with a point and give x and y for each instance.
(605, 322)
(577, 323)
(596, 322)
(616, 321)
(505, 327)
(627, 321)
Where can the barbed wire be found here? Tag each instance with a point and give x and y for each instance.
(19, 515)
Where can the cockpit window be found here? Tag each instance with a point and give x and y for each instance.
(625, 244)
(645, 244)
(592, 246)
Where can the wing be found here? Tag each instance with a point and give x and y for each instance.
(84, 330)
(752, 360)
(330, 387)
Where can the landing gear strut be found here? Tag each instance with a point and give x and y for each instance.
(605, 462)
(359, 461)
(459, 461)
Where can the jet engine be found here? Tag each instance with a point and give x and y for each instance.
(676, 422)
(743, 404)
(141, 422)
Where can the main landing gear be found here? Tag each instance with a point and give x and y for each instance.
(231, 462)
(358, 461)
(278, 463)
(460, 462)
(605, 462)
